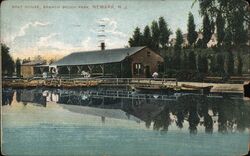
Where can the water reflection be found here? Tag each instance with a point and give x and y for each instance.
(227, 114)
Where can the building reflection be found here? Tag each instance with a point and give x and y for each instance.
(7, 96)
(200, 112)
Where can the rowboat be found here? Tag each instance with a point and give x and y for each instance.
(172, 88)
(195, 89)
(147, 88)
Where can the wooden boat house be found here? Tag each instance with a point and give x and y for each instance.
(123, 62)
(30, 69)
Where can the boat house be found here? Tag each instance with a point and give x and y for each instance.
(123, 62)
(30, 69)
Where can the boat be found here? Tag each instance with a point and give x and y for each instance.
(184, 88)
(195, 89)
(147, 88)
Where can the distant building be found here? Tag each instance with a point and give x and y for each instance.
(32, 68)
(123, 62)
(211, 43)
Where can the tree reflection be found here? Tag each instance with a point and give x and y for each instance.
(203, 111)
(162, 121)
(7, 97)
(193, 118)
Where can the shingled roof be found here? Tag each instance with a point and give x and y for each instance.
(97, 57)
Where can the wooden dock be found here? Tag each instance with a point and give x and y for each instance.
(115, 83)
(83, 82)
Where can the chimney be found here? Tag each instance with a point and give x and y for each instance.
(102, 46)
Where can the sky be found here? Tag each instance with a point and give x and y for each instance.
(56, 28)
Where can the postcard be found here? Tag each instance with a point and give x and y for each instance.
(125, 77)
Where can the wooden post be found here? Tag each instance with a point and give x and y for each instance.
(79, 69)
(121, 75)
(103, 70)
(69, 69)
(90, 69)
(60, 82)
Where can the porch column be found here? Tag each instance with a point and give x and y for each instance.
(69, 69)
(79, 69)
(41, 69)
(121, 70)
(90, 68)
(103, 70)
(53, 69)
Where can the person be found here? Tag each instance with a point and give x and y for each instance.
(247, 90)
(45, 75)
(155, 75)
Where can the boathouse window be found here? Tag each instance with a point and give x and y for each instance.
(148, 53)
(137, 68)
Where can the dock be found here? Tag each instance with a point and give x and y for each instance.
(115, 83)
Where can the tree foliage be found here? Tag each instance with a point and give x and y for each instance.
(192, 34)
(239, 65)
(8, 64)
(18, 67)
(235, 13)
(220, 64)
(207, 30)
(220, 26)
(136, 39)
(230, 63)
(155, 35)
(179, 40)
(239, 33)
(202, 64)
(191, 61)
(165, 32)
(177, 49)
(147, 38)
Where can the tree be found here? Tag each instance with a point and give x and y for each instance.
(202, 64)
(136, 39)
(165, 32)
(220, 26)
(240, 64)
(18, 67)
(212, 26)
(192, 34)
(147, 38)
(225, 7)
(38, 58)
(26, 60)
(207, 30)
(8, 64)
(191, 61)
(155, 35)
(177, 49)
(235, 13)
(199, 43)
(185, 61)
(213, 64)
(179, 39)
(230, 63)
(220, 64)
(228, 38)
(239, 33)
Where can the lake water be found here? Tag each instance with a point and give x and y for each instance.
(75, 122)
